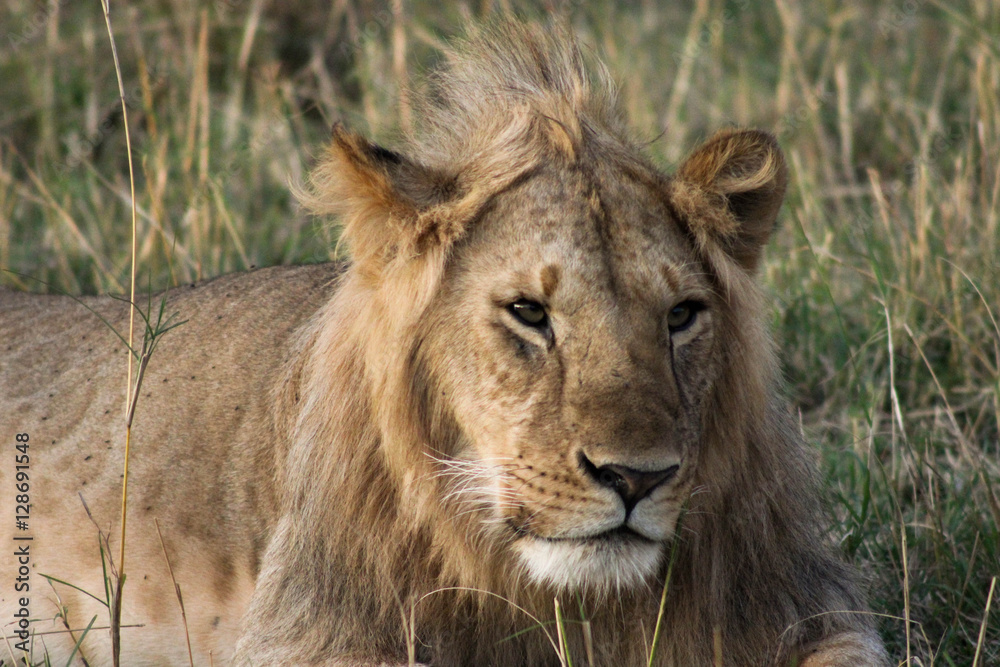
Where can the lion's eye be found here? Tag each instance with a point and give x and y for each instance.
(683, 315)
(529, 313)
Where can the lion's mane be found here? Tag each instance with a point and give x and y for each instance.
(372, 552)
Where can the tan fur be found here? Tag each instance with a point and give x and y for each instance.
(356, 463)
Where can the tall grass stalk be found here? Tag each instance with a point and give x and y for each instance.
(177, 591)
(982, 627)
(130, 397)
(663, 595)
(565, 658)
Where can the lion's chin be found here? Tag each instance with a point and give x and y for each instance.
(601, 564)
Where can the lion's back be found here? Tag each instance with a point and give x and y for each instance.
(203, 441)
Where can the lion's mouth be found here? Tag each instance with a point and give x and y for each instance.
(616, 558)
(619, 535)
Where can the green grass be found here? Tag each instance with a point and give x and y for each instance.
(885, 272)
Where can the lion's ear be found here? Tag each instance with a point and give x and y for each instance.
(729, 192)
(390, 206)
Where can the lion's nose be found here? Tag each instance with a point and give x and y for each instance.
(631, 484)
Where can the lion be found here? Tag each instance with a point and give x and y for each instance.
(543, 378)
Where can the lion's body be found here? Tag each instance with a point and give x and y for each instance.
(542, 350)
(203, 461)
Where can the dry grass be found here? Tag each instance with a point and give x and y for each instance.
(885, 273)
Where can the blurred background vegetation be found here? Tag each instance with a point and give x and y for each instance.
(885, 271)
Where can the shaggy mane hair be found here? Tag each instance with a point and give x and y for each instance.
(497, 76)
(369, 464)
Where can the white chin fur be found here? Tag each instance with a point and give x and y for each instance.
(603, 565)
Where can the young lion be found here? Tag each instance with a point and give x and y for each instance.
(542, 351)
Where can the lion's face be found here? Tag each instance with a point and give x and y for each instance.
(554, 323)
(579, 333)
